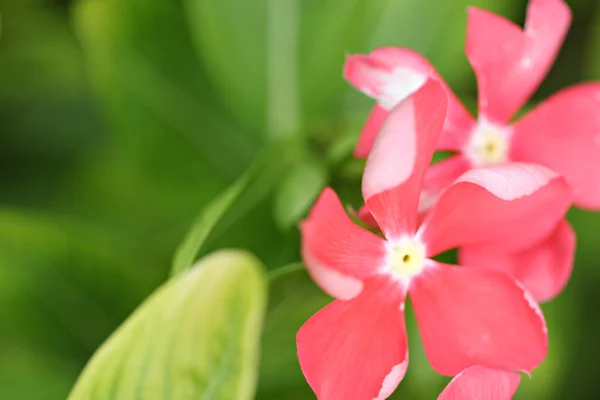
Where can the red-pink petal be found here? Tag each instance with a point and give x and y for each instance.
(470, 316)
(338, 253)
(563, 133)
(543, 269)
(439, 177)
(402, 151)
(370, 131)
(510, 63)
(364, 214)
(507, 208)
(481, 383)
(389, 75)
(357, 349)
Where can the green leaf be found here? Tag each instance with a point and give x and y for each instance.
(298, 191)
(204, 224)
(58, 279)
(196, 337)
(256, 183)
(293, 299)
(156, 93)
(265, 56)
(20, 366)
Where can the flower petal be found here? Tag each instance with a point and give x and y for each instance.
(402, 151)
(391, 74)
(481, 383)
(506, 208)
(370, 131)
(543, 269)
(357, 349)
(338, 253)
(364, 214)
(439, 177)
(563, 133)
(388, 75)
(470, 316)
(510, 63)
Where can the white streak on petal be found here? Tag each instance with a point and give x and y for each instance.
(392, 158)
(392, 380)
(499, 181)
(398, 85)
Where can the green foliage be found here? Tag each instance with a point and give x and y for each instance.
(196, 337)
(299, 191)
(127, 123)
(204, 224)
(150, 98)
(252, 187)
(591, 58)
(230, 36)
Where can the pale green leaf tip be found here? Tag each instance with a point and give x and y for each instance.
(180, 340)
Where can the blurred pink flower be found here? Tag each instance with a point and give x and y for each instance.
(563, 133)
(481, 383)
(356, 347)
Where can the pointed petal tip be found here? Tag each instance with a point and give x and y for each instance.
(510, 62)
(351, 63)
(474, 10)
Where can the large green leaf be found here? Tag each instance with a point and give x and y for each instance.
(159, 102)
(278, 63)
(231, 38)
(196, 337)
(293, 299)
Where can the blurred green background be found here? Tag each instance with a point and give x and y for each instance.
(122, 119)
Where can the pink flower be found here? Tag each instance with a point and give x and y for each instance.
(480, 383)
(356, 347)
(563, 133)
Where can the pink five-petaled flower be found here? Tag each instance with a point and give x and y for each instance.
(563, 133)
(481, 383)
(356, 347)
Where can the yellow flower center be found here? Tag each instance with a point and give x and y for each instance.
(489, 146)
(406, 258)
